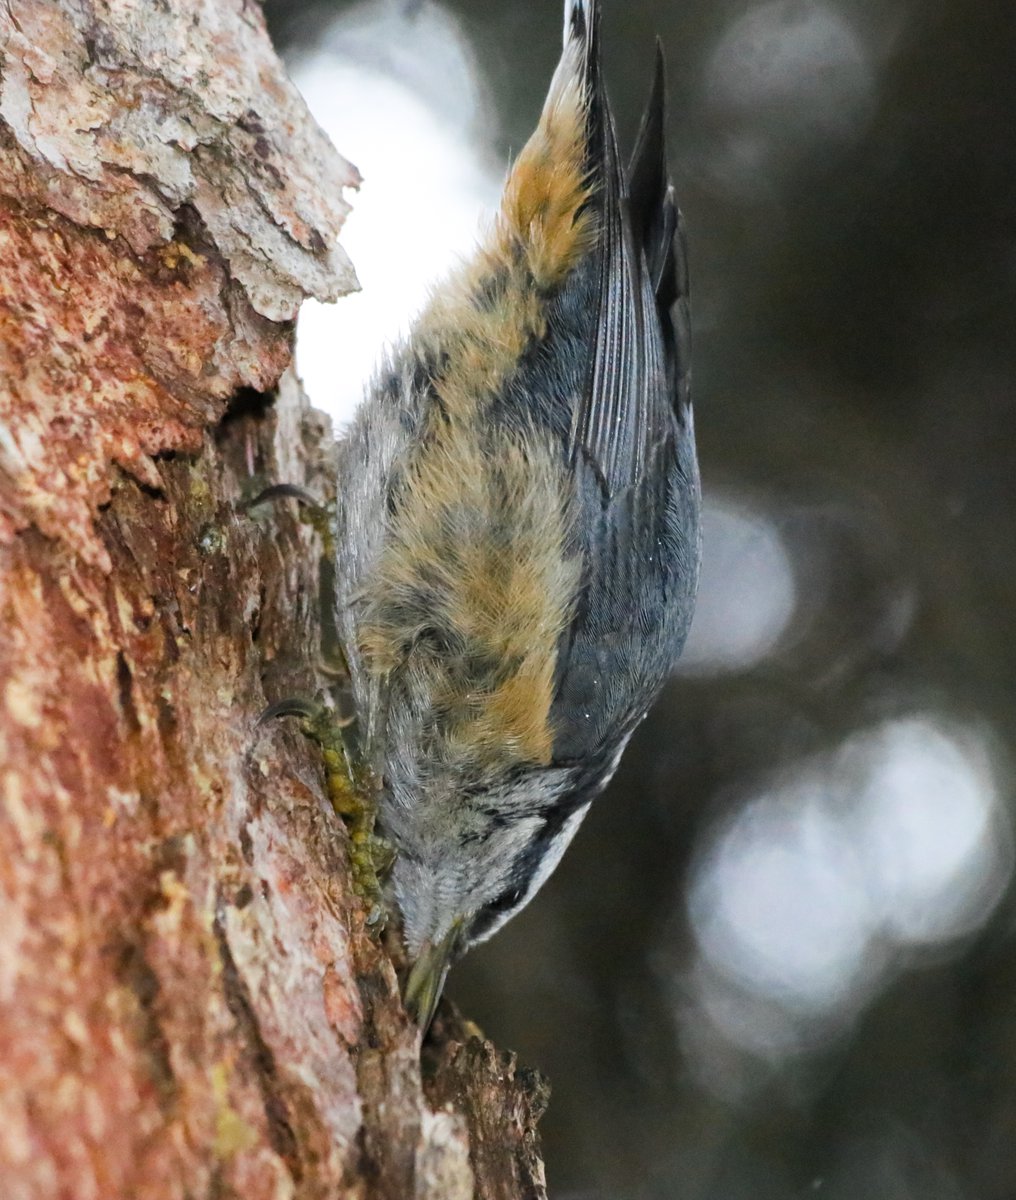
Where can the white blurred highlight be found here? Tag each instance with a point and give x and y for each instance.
(781, 904)
(817, 891)
(746, 591)
(936, 843)
(785, 78)
(399, 95)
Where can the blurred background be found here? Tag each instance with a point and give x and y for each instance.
(778, 961)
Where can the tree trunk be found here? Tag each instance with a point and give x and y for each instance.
(189, 1003)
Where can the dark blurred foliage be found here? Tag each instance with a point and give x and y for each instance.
(853, 248)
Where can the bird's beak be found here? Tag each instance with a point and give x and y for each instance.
(426, 979)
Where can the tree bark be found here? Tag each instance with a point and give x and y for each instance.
(189, 1002)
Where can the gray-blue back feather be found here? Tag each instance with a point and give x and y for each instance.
(611, 377)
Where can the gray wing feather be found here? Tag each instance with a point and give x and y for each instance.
(632, 448)
(637, 378)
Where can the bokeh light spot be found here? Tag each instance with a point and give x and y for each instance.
(817, 892)
(784, 81)
(427, 174)
(930, 830)
(781, 904)
(746, 591)
(800, 65)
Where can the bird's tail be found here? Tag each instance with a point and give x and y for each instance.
(582, 32)
(545, 206)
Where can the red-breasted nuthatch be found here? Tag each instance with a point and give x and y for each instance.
(518, 529)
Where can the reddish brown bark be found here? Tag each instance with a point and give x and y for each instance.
(189, 1004)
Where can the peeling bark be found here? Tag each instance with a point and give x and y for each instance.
(189, 1003)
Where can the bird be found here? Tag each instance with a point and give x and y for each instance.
(517, 535)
